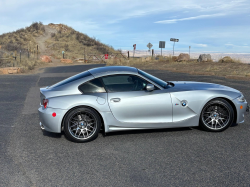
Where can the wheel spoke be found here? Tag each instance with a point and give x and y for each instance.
(219, 123)
(208, 118)
(73, 125)
(79, 117)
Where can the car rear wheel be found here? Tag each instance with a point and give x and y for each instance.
(216, 116)
(82, 124)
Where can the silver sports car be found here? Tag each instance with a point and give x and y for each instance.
(118, 98)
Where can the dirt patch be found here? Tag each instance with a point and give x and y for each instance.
(46, 59)
(11, 70)
(67, 61)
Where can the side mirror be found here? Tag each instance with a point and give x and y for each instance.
(150, 87)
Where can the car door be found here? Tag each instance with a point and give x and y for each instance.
(130, 102)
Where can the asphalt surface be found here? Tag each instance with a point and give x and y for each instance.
(169, 157)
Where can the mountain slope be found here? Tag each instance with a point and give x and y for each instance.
(74, 43)
(22, 39)
(52, 39)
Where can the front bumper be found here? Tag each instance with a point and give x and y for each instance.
(241, 108)
(48, 122)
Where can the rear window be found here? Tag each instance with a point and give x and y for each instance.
(71, 79)
(93, 86)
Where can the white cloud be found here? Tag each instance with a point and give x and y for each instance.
(202, 45)
(190, 18)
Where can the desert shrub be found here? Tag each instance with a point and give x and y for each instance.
(56, 38)
(66, 47)
(11, 46)
(36, 26)
(53, 35)
(228, 59)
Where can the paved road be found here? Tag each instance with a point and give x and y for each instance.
(171, 157)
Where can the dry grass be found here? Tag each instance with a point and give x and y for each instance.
(74, 43)
(22, 39)
(228, 59)
(234, 70)
(26, 63)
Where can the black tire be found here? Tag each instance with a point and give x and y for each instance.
(84, 128)
(216, 116)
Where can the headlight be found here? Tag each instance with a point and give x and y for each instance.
(241, 98)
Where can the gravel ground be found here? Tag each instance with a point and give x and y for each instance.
(169, 157)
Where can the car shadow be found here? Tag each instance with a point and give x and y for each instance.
(53, 135)
(201, 129)
(147, 131)
(234, 125)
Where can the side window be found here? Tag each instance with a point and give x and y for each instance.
(93, 86)
(124, 83)
(71, 79)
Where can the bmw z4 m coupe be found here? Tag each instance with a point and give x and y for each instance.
(118, 98)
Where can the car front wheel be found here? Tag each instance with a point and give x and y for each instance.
(82, 124)
(217, 115)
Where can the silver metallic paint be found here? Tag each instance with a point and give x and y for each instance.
(137, 109)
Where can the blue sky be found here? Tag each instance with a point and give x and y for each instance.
(209, 26)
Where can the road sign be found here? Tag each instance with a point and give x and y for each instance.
(134, 46)
(62, 52)
(149, 45)
(174, 40)
(106, 56)
(161, 44)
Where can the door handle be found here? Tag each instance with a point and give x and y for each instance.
(115, 100)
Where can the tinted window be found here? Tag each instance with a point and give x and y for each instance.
(93, 86)
(71, 79)
(153, 79)
(124, 83)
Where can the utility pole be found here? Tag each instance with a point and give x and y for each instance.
(84, 56)
(189, 51)
(37, 52)
(20, 56)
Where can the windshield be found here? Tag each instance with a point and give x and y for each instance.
(153, 78)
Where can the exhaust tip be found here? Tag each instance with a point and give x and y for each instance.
(41, 125)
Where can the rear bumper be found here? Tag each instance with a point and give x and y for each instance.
(48, 122)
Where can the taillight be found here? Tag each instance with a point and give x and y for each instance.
(45, 103)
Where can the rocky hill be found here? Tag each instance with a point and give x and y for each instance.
(74, 43)
(52, 39)
(22, 39)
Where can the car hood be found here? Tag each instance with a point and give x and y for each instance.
(188, 85)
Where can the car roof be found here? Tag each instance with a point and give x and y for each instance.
(109, 70)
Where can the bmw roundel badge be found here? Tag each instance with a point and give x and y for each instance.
(184, 103)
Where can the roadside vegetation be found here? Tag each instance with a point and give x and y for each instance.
(22, 39)
(74, 43)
